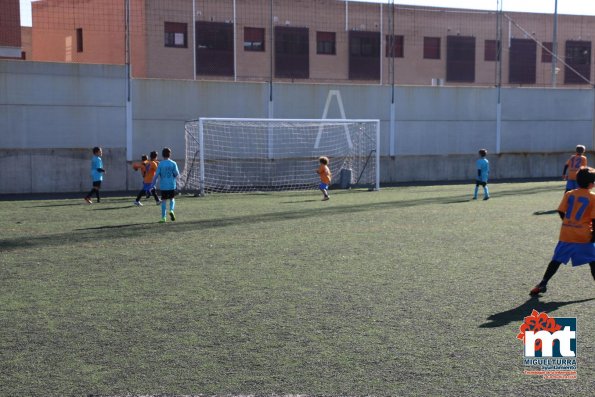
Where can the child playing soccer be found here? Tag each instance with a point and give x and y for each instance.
(148, 169)
(577, 237)
(572, 166)
(167, 171)
(97, 172)
(483, 171)
(325, 177)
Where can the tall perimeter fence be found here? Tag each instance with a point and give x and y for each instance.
(126, 74)
(315, 41)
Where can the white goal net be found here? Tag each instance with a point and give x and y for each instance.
(238, 155)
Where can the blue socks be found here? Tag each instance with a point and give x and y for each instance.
(172, 206)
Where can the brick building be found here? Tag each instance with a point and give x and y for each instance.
(10, 29)
(315, 41)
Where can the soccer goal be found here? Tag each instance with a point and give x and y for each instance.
(241, 155)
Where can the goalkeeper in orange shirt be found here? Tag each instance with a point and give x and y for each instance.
(577, 237)
(574, 163)
(325, 177)
(148, 169)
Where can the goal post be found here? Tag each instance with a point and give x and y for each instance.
(249, 154)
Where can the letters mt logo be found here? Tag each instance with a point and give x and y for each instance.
(545, 336)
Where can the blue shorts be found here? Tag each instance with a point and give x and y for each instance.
(147, 187)
(579, 253)
(323, 186)
(571, 185)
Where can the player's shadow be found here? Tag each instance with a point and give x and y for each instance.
(550, 212)
(140, 226)
(126, 231)
(458, 201)
(54, 205)
(113, 208)
(524, 310)
(299, 201)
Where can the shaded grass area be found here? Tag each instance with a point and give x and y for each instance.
(411, 291)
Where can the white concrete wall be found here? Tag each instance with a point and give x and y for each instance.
(54, 105)
(443, 120)
(58, 170)
(52, 114)
(430, 120)
(161, 107)
(545, 120)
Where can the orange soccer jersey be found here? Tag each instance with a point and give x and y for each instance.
(579, 208)
(574, 163)
(325, 174)
(149, 171)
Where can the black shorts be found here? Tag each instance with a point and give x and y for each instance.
(168, 194)
(97, 184)
(480, 183)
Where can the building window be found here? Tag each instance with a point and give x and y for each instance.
(492, 50)
(325, 43)
(460, 59)
(394, 46)
(79, 40)
(578, 57)
(253, 39)
(364, 55)
(214, 48)
(292, 52)
(546, 52)
(176, 34)
(523, 61)
(431, 47)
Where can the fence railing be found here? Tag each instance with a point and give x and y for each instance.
(311, 41)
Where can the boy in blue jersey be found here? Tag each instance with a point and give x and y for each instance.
(97, 172)
(483, 171)
(167, 172)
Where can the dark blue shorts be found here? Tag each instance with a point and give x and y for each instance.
(168, 194)
(579, 253)
(147, 187)
(571, 185)
(323, 186)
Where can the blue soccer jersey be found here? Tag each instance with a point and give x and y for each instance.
(483, 166)
(167, 172)
(96, 163)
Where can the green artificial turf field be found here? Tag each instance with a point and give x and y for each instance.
(410, 291)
